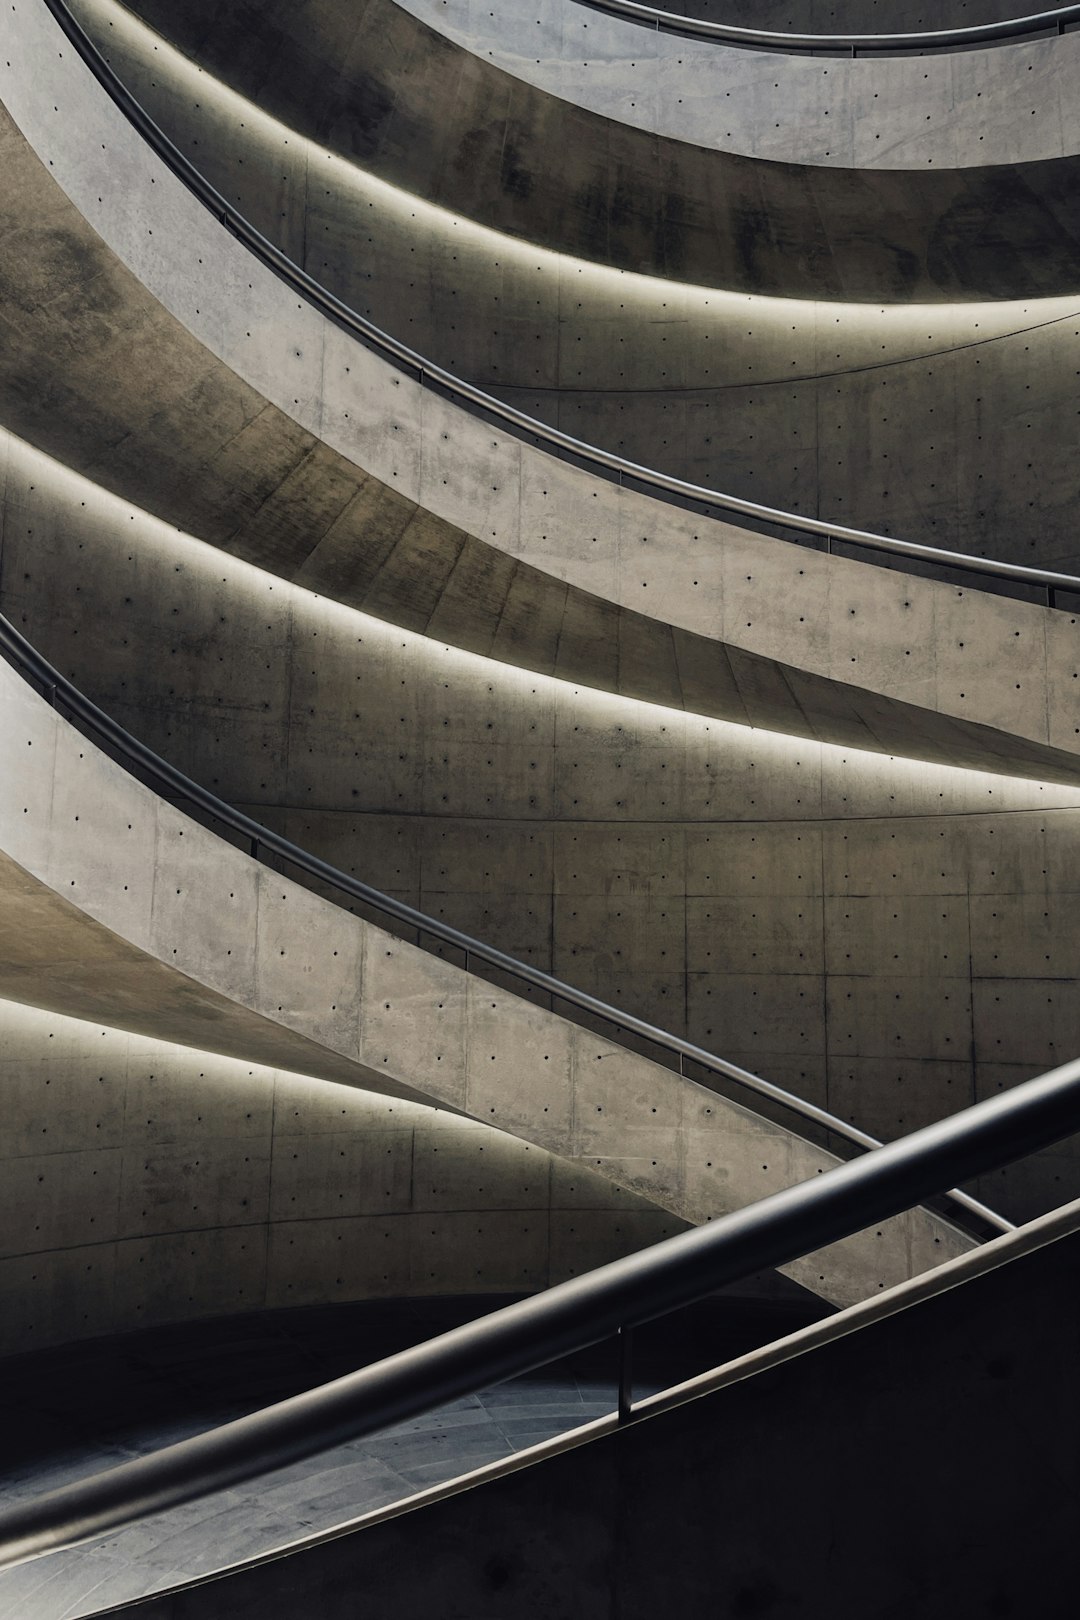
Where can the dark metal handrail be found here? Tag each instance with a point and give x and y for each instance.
(1003, 32)
(597, 459)
(263, 841)
(566, 1318)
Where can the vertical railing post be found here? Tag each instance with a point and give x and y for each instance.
(626, 1374)
(253, 850)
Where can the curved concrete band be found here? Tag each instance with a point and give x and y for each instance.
(952, 110)
(289, 409)
(117, 910)
(908, 420)
(144, 1182)
(422, 112)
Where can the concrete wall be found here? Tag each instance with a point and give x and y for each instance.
(852, 16)
(892, 940)
(1010, 104)
(143, 1182)
(257, 443)
(931, 424)
(975, 1388)
(121, 909)
(447, 124)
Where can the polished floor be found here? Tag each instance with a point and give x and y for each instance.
(71, 1412)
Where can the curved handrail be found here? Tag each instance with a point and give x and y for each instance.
(166, 779)
(565, 1318)
(597, 459)
(1002, 32)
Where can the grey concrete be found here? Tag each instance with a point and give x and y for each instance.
(143, 1182)
(937, 1445)
(767, 896)
(116, 909)
(854, 16)
(559, 580)
(1010, 104)
(912, 421)
(451, 126)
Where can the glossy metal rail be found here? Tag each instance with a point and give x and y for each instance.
(262, 842)
(1007, 31)
(563, 1319)
(595, 458)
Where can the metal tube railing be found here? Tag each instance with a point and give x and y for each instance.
(262, 841)
(1006, 31)
(566, 1318)
(594, 457)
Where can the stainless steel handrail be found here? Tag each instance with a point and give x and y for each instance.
(23, 656)
(460, 391)
(993, 33)
(568, 1317)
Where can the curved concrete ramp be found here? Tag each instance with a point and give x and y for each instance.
(120, 908)
(414, 106)
(289, 444)
(950, 110)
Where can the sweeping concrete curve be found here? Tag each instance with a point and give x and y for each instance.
(144, 1182)
(877, 935)
(418, 109)
(972, 109)
(287, 409)
(855, 16)
(901, 418)
(120, 908)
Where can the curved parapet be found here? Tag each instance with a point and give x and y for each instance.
(874, 934)
(899, 418)
(145, 1182)
(946, 110)
(119, 907)
(330, 465)
(418, 109)
(827, 17)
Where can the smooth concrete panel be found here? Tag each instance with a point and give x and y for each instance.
(896, 112)
(711, 879)
(630, 1118)
(381, 522)
(449, 124)
(145, 1182)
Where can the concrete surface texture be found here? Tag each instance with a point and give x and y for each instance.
(144, 1182)
(888, 939)
(104, 857)
(854, 16)
(556, 570)
(974, 1388)
(951, 111)
(911, 420)
(446, 123)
